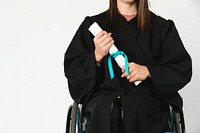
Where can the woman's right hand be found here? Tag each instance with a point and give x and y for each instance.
(103, 41)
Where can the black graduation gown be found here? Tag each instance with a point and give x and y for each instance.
(160, 49)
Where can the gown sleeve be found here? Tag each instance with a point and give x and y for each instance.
(174, 68)
(80, 64)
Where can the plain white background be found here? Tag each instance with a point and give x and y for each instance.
(34, 35)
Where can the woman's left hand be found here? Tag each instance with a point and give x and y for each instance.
(136, 72)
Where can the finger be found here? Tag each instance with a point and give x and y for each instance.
(107, 47)
(134, 78)
(131, 75)
(133, 68)
(124, 75)
(106, 41)
(104, 37)
(123, 69)
(131, 64)
(100, 34)
(130, 71)
(98, 37)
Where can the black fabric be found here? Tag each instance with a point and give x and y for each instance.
(140, 110)
(116, 118)
(160, 49)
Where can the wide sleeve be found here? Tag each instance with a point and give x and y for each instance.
(174, 68)
(79, 63)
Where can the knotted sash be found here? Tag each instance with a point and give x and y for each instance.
(114, 55)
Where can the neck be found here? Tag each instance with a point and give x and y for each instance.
(127, 8)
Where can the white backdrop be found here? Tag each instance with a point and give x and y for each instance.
(34, 35)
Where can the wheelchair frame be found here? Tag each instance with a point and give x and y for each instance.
(74, 120)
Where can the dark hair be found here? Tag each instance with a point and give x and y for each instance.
(143, 14)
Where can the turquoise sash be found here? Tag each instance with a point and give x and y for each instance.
(114, 55)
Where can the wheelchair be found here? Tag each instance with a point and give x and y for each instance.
(76, 123)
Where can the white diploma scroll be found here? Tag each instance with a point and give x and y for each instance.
(95, 29)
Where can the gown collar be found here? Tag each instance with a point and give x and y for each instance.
(132, 22)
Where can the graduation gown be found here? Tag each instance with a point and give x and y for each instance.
(160, 49)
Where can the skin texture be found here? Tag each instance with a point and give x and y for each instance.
(103, 41)
(127, 7)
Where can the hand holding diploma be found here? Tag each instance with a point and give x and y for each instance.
(137, 72)
(107, 43)
(103, 41)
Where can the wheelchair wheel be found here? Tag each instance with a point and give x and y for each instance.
(68, 119)
(71, 118)
(177, 121)
(179, 125)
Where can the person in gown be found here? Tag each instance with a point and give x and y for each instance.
(156, 56)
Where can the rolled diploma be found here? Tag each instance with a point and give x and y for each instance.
(95, 29)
